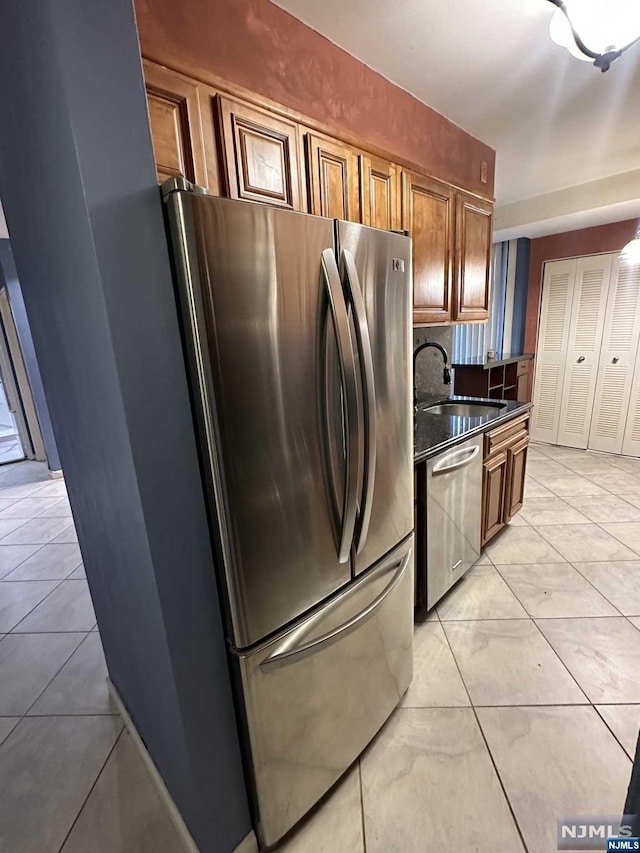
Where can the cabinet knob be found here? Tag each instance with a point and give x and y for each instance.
(581, 359)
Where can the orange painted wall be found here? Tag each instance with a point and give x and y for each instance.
(265, 49)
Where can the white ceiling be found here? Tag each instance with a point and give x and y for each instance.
(490, 66)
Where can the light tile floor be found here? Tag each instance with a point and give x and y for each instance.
(525, 703)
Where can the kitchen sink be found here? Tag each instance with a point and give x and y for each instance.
(464, 410)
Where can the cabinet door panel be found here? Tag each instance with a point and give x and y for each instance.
(260, 155)
(176, 129)
(333, 179)
(517, 467)
(428, 212)
(379, 193)
(473, 258)
(494, 488)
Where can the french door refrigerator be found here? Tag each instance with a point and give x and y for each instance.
(297, 333)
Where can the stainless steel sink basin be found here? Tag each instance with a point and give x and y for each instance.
(464, 410)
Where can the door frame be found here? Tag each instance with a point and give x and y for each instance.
(16, 383)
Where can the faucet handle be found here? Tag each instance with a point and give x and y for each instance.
(446, 376)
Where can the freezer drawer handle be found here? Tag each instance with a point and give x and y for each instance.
(289, 651)
(369, 395)
(346, 358)
(465, 458)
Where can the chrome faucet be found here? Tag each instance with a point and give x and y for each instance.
(446, 373)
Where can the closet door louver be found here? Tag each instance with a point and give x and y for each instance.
(555, 314)
(583, 349)
(617, 358)
(631, 443)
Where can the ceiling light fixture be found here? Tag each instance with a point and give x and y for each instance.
(631, 251)
(597, 31)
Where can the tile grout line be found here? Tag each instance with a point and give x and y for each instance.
(615, 736)
(62, 666)
(92, 786)
(596, 588)
(491, 758)
(23, 561)
(499, 777)
(20, 621)
(531, 616)
(362, 822)
(56, 501)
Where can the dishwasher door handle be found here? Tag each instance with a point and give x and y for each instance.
(464, 457)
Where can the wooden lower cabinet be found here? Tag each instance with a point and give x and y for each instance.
(516, 470)
(494, 491)
(505, 467)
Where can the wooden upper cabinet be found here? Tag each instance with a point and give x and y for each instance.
(332, 170)
(473, 258)
(379, 193)
(259, 154)
(176, 129)
(428, 213)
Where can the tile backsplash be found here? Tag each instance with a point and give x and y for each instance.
(429, 366)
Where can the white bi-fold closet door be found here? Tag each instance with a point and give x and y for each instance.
(551, 353)
(631, 441)
(585, 391)
(574, 299)
(618, 357)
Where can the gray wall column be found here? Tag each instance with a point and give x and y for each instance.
(77, 183)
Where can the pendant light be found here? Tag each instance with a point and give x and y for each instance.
(596, 31)
(631, 251)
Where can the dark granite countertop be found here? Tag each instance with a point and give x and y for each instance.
(434, 433)
(486, 363)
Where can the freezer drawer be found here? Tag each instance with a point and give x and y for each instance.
(454, 515)
(317, 694)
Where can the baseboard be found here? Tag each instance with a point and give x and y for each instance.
(55, 475)
(249, 844)
(165, 796)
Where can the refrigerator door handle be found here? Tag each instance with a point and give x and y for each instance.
(292, 649)
(369, 395)
(346, 358)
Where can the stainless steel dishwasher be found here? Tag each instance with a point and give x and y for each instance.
(454, 511)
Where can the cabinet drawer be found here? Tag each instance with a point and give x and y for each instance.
(497, 439)
(523, 367)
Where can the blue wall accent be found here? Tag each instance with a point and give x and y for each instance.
(9, 277)
(523, 256)
(78, 185)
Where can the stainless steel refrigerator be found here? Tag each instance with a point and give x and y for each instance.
(297, 332)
